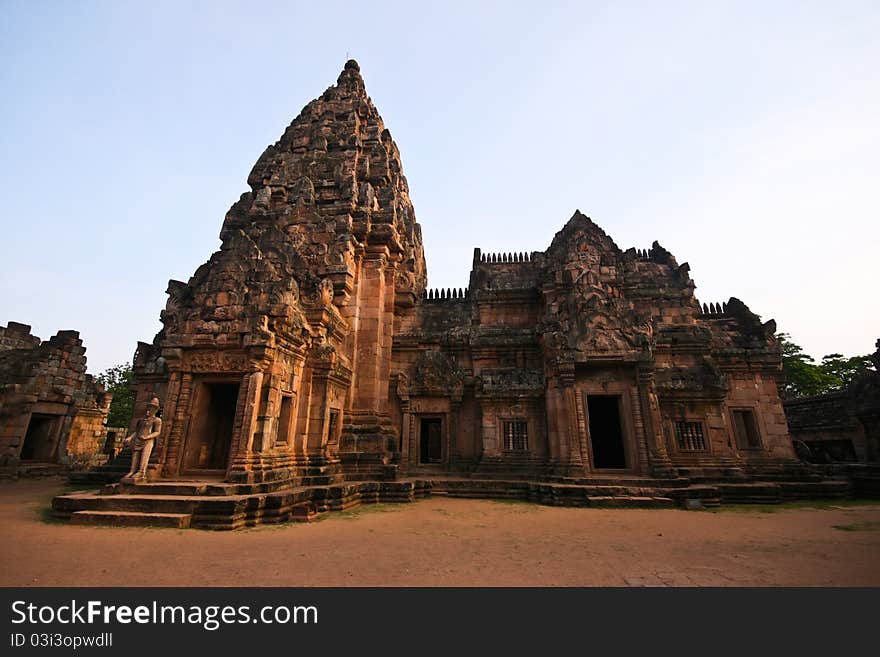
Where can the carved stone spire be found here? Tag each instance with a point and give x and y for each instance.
(329, 188)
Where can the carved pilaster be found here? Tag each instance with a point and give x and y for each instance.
(252, 385)
(452, 451)
(160, 456)
(180, 423)
(572, 455)
(650, 412)
(582, 430)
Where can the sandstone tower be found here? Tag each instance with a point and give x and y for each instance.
(274, 359)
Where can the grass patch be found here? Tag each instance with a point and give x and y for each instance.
(513, 501)
(747, 508)
(44, 512)
(831, 504)
(43, 507)
(869, 526)
(362, 510)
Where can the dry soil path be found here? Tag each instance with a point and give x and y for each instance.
(451, 542)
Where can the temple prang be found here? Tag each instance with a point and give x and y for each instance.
(307, 364)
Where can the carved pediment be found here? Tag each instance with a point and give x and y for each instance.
(434, 373)
(705, 378)
(511, 380)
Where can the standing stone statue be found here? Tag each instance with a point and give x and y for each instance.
(141, 441)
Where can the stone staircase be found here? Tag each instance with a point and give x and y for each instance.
(225, 505)
(865, 478)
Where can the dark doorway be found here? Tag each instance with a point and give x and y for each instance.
(605, 434)
(37, 444)
(431, 443)
(210, 431)
(110, 443)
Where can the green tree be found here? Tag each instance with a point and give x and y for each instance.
(845, 369)
(804, 377)
(118, 381)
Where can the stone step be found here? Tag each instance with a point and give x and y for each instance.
(69, 504)
(173, 488)
(866, 485)
(131, 519)
(793, 490)
(208, 508)
(665, 482)
(40, 469)
(707, 496)
(631, 502)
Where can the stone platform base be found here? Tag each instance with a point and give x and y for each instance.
(221, 505)
(131, 519)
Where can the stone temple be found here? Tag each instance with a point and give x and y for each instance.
(306, 366)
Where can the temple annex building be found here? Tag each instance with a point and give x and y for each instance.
(306, 366)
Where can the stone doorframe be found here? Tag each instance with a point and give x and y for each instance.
(414, 411)
(631, 424)
(182, 398)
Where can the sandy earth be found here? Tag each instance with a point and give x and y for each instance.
(451, 542)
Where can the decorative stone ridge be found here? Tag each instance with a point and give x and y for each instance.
(51, 411)
(307, 350)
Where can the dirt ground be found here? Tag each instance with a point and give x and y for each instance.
(453, 542)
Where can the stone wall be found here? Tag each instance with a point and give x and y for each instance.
(50, 409)
(830, 425)
(842, 425)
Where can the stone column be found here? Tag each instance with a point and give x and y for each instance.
(452, 449)
(319, 409)
(369, 433)
(244, 461)
(252, 386)
(653, 423)
(373, 346)
(160, 457)
(573, 457)
(405, 430)
(179, 420)
(555, 423)
(582, 433)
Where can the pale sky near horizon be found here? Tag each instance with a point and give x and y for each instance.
(744, 136)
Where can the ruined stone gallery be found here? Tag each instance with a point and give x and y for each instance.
(306, 365)
(51, 411)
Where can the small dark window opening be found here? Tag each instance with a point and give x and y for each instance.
(689, 436)
(746, 430)
(284, 419)
(431, 447)
(109, 443)
(331, 426)
(516, 435)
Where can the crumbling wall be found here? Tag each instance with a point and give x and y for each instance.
(50, 409)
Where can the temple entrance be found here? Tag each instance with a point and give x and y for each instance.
(430, 442)
(210, 430)
(109, 444)
(37, 444)
(606, 436)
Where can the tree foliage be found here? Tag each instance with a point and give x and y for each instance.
(804, 377)
(118, 381)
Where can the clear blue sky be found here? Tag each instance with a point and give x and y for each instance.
(745, 137)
